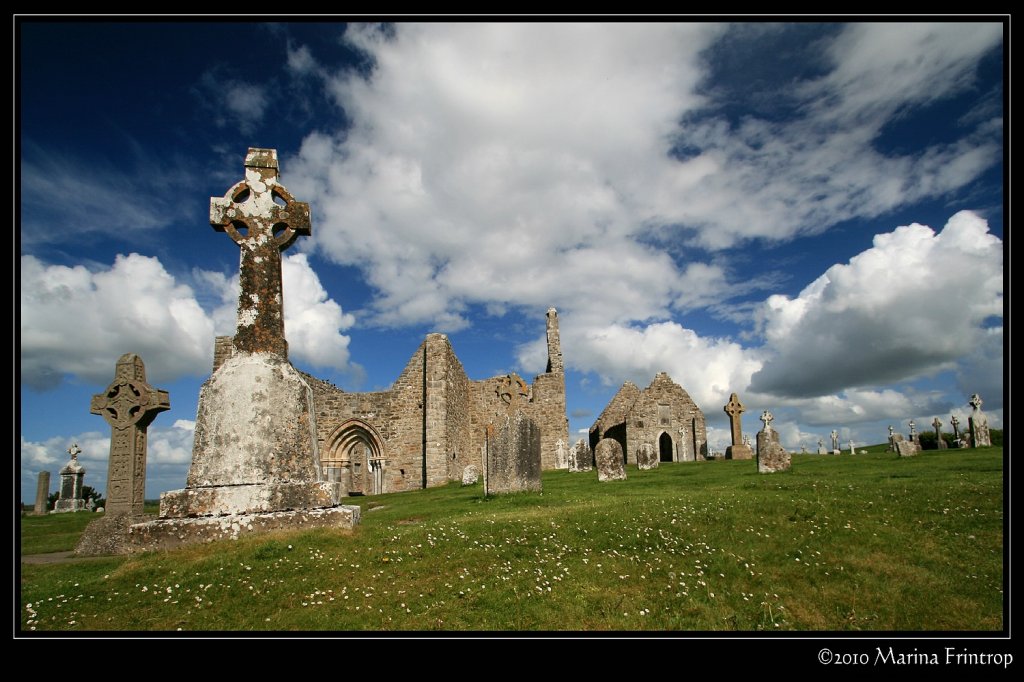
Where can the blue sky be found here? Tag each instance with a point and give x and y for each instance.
(810, 215)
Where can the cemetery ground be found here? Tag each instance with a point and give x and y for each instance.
(864, 543)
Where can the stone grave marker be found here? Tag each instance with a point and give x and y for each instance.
(835, 442)
(646, 458)
(939, 442)
(740, 448)
(821, 447)
(580, 457)
(513, 456)
(771, 456)
(981, 436)
(71, 476)
(470, 475)
(42, 494)
(610, 464)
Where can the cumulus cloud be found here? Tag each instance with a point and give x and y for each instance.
(515, 165)
(913, 304)
(76, 321)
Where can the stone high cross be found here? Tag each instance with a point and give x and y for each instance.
(835, 439)
(767, 418)
(938, 425)
(955, 422)
(129, 405)
(913, 429)
(251, 215)
(734, 408)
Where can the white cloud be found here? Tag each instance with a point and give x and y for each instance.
(74, 321)
(231, 101)
(911, 305)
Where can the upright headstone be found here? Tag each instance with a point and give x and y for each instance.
(821, 447)
(42, 493)
(739, 448)
(939, 442)
(71, 477)
(771, 456)
(835, 442)
(646, 458)
(470, 475)
(580, 457)
(892, 442)
(956, 429)
(978, 422)
(129, 406)
(852, 450)
(561, 455)
(610, 464)
(513, 456)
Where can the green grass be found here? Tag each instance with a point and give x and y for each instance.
(871, 542)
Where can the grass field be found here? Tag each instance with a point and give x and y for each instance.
(871, 542)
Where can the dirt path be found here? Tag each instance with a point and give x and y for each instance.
(56, 558)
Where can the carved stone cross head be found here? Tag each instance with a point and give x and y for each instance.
(734, 407)
(259, 210)
(512, 389)
(937, 424)
(129, 400)
(767, 418)
(954, 421)
(74, 451)
(975, 401)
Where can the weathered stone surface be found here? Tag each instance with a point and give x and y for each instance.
(907, 448)
(470, 475)
(741, 451)
(772, 458)
(129, 405)
(981, 436)
(561, 455)
(939, 442)
(171, 533)
(835, 442)
(580, 457)
(764, 437)
(610, 464)
(853, 451)
(108, 535)
(42, 493)
(71, 476)
(821, 447)
(646, 458)
(262, 229)
(249, 498)
(734, 408)
(513, 456)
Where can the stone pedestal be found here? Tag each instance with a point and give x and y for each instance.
(773, 458)
(742, 451)
(71, 477)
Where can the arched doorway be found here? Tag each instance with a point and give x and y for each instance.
(354, 457)
(665, 448)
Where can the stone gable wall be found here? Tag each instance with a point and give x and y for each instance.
(686, 425)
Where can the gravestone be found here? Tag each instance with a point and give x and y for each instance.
(835, 442)
(740, 448)
(561, 455)
(892, 443)
(580, 457)
(913, 433)
(470, 475)
(978, 422)
(646, 458)
(956, 429)
(821, 447)
(513, 462)
(71, 484)
(42, 493)
(610, 463)
(255, 459)
(771, 456)
(906, 448)
(939, 442)
(129, 405)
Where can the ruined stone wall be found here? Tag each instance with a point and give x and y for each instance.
(612, 420)
(485, 407)
(547, 409)
(448, 449)
(222, 350)
(665, 407)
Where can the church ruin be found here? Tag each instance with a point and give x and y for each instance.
(662, 416)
